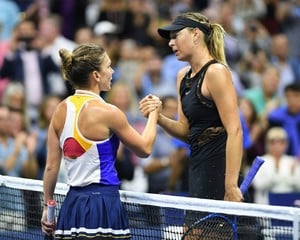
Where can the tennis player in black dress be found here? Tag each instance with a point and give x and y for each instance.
(208, 116)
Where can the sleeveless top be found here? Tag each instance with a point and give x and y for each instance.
(207, 138)
(87, 161)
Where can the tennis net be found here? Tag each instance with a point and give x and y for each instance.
(151, 216)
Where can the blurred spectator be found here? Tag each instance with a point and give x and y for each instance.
(13, 154)
(16, 160)
(34, 10)
(246, 10)
(290, 12)
(84, 34)
(18, 122)
(16, 149)
(225, 16)
(117, 12)
(157, 165)
(149, 78)
(140, 17)
(272, 19)
(281, 58)
(129, 64)
(181, 6)
(73, 13)
(291, 27)
(264, 97)
(170, 66)
(14, 96)
(26, 142)
(251, 67)
(19, 130)
(26, 63)
(288, 117)
(51, 35)
(53, 40)
(280, 172)
(257, 128)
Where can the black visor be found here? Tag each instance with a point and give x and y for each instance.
(180, 23)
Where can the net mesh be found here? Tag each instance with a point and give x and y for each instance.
(153, 216)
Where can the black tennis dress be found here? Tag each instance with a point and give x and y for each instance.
(207, 138)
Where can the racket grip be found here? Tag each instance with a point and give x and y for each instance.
(51, 210)
(251, 174)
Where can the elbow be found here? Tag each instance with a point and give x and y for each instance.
(143, 149)
(145, 152)
(145, 155)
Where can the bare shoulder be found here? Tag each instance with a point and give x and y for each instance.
(115, 114)
(218, 74)
(104, 112)
(218, 82)
(105, 109)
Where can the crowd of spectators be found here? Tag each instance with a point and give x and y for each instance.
(261, 47)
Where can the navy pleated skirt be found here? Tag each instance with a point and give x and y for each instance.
(92, 212)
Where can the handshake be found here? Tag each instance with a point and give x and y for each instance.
(150, 103)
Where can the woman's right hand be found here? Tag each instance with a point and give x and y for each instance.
(150, 103)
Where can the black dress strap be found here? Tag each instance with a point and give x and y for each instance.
(187, 81)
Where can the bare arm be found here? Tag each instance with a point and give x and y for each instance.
(219, 87)
(52, 168)
(52, 164)
(140, 144)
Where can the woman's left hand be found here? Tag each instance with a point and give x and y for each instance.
(47, 227)
(234, 194)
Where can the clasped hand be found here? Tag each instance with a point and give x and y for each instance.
(150, 103)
